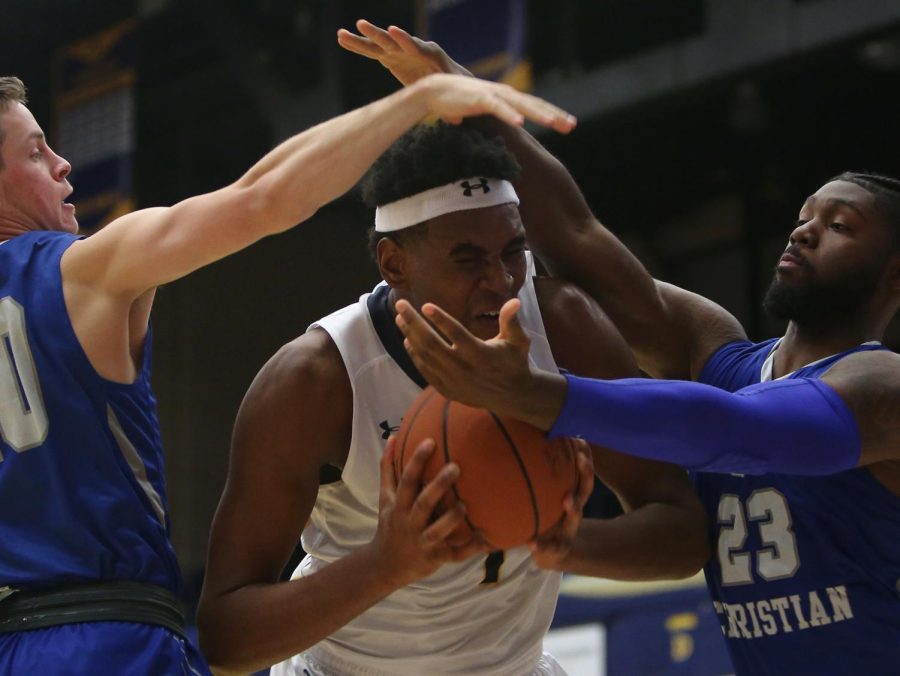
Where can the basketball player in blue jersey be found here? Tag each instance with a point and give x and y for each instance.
(794, 442)
(88, 579)
(314, 428)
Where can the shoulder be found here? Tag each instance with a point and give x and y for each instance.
(89, 260)
(708, 325)
(876, 368)
(871, 374)
(582, 337)
(869, 384)
(311, 359)
(301, 394)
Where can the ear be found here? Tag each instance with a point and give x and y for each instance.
(392, 263)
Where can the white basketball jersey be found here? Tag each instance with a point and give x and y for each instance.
(458, 620)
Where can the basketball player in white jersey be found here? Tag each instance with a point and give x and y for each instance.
(379, 591)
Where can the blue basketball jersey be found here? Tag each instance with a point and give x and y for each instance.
(82, 496)
(805, 577)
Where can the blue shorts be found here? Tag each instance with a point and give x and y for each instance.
(120, 648)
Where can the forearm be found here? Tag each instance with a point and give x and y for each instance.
(556, 214)
(322, 163)
(258, 625)
(795, 426)
(568, 238)
(284, 188)
(548, 194)
(656, 541)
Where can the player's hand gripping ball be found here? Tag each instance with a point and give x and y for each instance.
(512, 478)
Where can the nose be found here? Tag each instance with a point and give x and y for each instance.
(61, 167)
(804, 233)
(497, 278)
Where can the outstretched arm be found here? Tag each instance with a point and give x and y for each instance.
(154, 246)
(672, 331)
(792, 426)
(662, 511)
(105, 274)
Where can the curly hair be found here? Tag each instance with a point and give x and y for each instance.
(428, 156)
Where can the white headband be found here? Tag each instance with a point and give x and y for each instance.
(472, 193)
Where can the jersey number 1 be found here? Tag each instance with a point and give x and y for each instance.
(23, 418)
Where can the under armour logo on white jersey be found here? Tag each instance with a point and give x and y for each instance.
(387, 429)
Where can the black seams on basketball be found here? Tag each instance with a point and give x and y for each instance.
(513, 480)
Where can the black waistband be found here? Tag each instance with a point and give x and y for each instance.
(96, 602)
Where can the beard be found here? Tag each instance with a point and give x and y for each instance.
(816, 303)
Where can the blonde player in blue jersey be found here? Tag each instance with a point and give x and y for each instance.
(794, 441)
(313, 430)
(88, 579)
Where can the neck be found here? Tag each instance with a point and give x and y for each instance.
(10, 229)
(392, 301)
(804, 345)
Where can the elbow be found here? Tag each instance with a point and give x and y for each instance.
(684, 546)
(684, 561)
(220, 650)
(695, 548)
(208, 639)
(222, 660)
(693, 561)
(229, 647)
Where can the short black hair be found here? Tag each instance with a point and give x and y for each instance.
(428, 156)
(885, 190)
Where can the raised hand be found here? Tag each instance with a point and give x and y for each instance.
(406, 56)
(493, 374)
(411, 544)
(411, 60)
(459, 365)
(550, 551)
(454, 97)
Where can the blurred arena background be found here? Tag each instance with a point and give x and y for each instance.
(703, 124)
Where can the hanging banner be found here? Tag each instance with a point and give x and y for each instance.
(95, 122)
(487, 37)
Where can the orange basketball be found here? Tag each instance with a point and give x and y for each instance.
(512, 479)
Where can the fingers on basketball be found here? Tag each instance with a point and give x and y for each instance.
(512, 479)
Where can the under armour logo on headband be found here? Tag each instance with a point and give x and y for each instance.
(477, 193)
(482, 185)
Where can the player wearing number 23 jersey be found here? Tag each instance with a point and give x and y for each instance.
(807, 571)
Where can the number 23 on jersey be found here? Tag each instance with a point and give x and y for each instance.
(766, 510)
